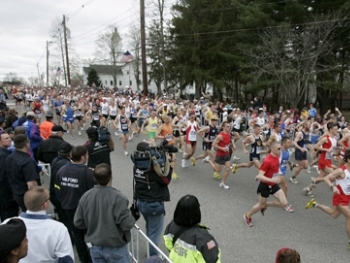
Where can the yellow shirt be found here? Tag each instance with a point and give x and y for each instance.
(152, 124)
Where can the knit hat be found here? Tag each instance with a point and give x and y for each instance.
(12, 234)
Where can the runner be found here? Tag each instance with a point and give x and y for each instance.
(124, 123)
(37, 109)
(104, 111)
(152, 127)
(142, 115)
(257, 142)
(68, 117)
(191, 140)
(326, 146)
(95, 116)
(286, 143)
(113, 112)
(341, 194)
(269, 180)
(222, 144)
(165, 132)
(208, 134)
(300, 142)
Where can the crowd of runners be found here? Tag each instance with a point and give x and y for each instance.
(275, 141)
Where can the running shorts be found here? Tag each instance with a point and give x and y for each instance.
(222, 159)
(322, 164)
(300, 156)
(266, 190)
(341, 199)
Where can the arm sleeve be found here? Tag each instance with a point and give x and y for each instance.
(78, 217)
(90, 179)
(64, 250)
(122, 215)
(35, 134)
(30, 171)
(209, 249)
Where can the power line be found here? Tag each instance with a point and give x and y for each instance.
(103, 24)
(260, 28)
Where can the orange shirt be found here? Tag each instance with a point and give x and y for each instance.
(45, 129)
(167, 132)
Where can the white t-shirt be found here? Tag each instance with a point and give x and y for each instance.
(48, 239)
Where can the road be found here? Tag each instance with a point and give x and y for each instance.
(316, 236)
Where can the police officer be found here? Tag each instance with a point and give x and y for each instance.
(151, 191)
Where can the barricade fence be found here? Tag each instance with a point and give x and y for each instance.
(140, 240)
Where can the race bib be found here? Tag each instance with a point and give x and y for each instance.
(192, 136)
(169, 137)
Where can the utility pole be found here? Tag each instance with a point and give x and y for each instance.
(66, 47)
(143, 47)
(39, 78)
(47, 63)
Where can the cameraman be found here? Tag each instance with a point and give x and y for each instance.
(151, 191)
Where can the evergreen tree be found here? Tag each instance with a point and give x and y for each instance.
(93, 78)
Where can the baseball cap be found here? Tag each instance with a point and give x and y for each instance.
(49, 114)
(12, 234)
(65, 147)
(214, 118)
(58, 128)
(30, 113)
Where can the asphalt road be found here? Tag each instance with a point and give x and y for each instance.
(316, 236)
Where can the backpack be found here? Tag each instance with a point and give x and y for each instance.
(103, 135)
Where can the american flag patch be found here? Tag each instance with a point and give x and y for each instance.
(211, 244)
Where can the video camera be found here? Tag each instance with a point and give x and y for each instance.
(153, 157)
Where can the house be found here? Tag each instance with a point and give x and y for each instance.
(125, 76)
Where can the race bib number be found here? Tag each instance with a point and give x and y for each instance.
(169, 137)
(192, 136)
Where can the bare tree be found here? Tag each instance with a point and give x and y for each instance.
(108, 49)
(135, 43)
(56, 33)
(292, 57)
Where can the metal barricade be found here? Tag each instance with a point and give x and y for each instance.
(46, 168)
(134, 246)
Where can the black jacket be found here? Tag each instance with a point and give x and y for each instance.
(56, 165)
(5, 188)
(48, 149)
(72, 181)
(149, 186)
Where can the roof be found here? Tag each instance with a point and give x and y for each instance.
(103, 69)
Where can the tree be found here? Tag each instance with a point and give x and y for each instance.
(93, 78)
(57, 57)
(108, 49)
(135, 43)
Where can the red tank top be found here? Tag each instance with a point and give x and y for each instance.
(225, 142)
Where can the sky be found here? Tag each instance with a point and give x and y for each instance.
(26, 24)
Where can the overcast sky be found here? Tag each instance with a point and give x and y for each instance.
(25, 28)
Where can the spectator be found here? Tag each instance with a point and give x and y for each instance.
(2, 123)
(108, 232)
(8, 206)
(20, 120)
(48, 239)
(312, 112)
(48, 149)
(13, 241)
(72, 181)
(21, 170)
(33, 134)
(187, 239)
(151, 191)
(64, 155)
(11, 117)
(287, 255)
(98, 153)
(46, 126)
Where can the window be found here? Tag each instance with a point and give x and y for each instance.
(111, 82)
(127, 72)
(130, 82)
(120, 82)
(106, 82)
